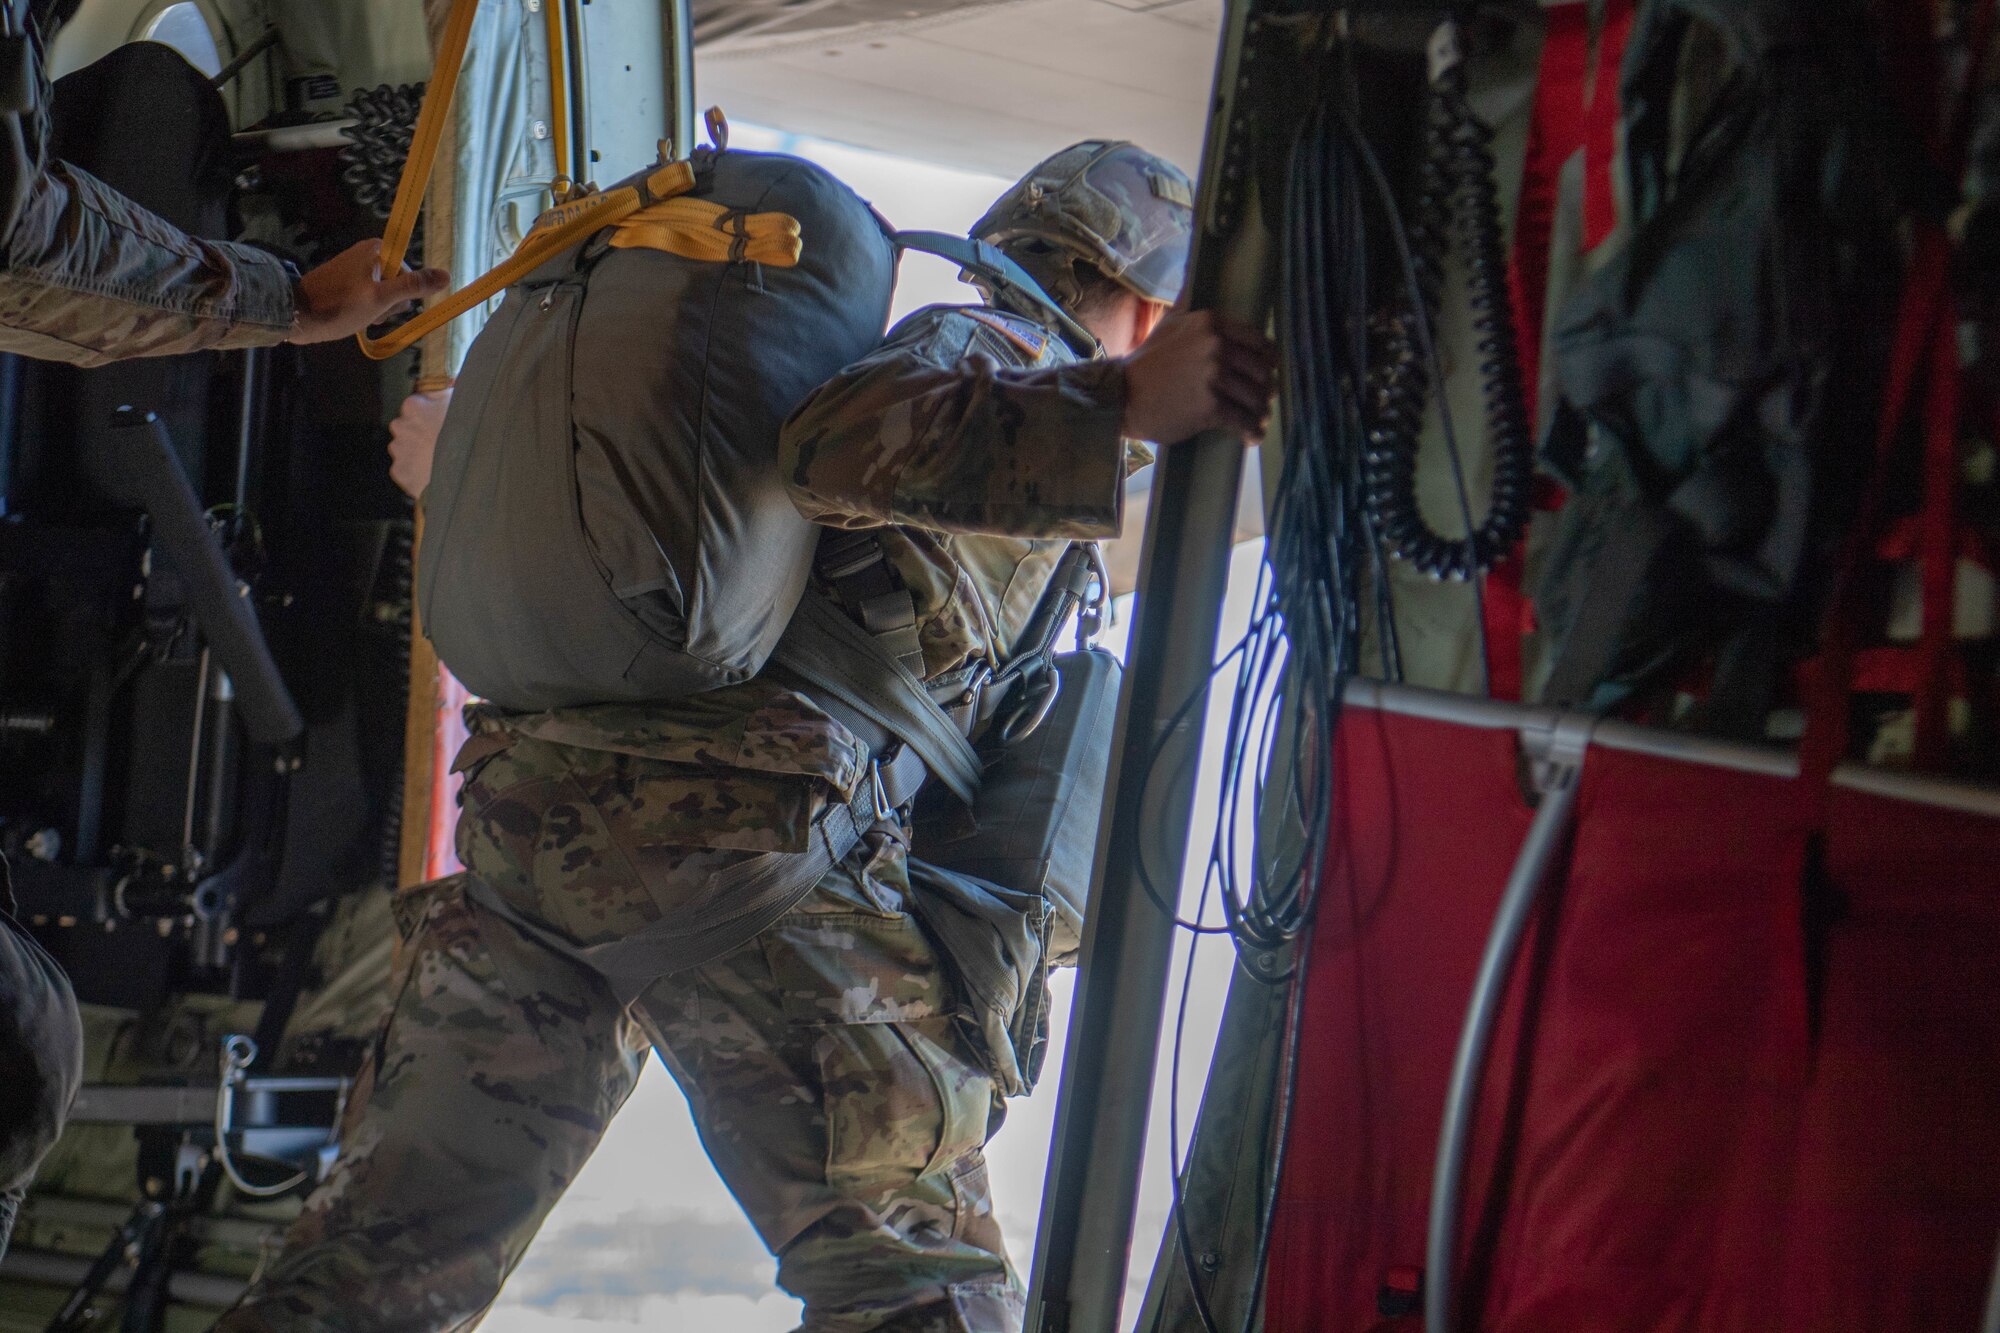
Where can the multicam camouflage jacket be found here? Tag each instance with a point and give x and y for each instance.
(89, 276)
(981, 447)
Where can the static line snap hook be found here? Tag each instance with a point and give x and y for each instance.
(238, 1054)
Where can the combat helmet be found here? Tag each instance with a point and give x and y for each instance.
(1108, 203)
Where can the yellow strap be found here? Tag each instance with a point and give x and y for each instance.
(703, 230)
(709, 232)
(578, 220)
(428, 136)
(558, 86)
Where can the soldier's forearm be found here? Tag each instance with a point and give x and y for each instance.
(973, 449)
(91, 277)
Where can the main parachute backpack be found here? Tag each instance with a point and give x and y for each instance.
(606, 520)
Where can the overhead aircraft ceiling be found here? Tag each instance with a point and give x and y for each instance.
(991, 85)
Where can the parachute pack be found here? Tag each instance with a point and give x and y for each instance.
(605, 520)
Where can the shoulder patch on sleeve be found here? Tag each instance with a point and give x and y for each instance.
(1034, 342)
(1171, 190)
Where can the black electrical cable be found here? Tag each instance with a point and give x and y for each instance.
(1335, 515)
(1355, 406)
(1303, 641)
(385, 123)
(1458, 199)
(1421, 324)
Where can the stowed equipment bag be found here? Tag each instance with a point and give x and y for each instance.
(606, 521)
(1709, 374)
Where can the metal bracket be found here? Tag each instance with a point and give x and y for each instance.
(1556, 748)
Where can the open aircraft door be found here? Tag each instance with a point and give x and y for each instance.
(1587, 1015)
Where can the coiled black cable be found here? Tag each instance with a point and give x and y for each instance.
(385, 123)
(1458, 201)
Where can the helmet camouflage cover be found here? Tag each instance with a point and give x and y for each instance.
(1111, 204)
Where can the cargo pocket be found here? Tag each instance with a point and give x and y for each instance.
(902, 1097)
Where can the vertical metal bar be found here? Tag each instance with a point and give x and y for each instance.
(221, 810)
(197, 738)
(679, 28)
(1085, 1239)
(10, 427)
(1991, 1323)
(1489, 989)
(556, 22)
(575, 62)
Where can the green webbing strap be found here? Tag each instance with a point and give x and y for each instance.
(775, 882)
(830, 652)
(986, 261)
(855, 565)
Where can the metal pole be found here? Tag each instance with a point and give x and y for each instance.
(1563, 770)
(1991, 1323)
(247, 420)
(679, 28)
(1085, 1239)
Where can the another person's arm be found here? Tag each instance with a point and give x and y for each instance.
(87, 276)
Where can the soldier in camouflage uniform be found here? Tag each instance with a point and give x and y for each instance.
(822, 1047)
(90, 277)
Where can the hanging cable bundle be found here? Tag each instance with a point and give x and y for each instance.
(1305, 635)
(1458, 200)
(1305, 638)
(385, 122)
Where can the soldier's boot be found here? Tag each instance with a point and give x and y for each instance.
(844, 1107)
(494, 1075)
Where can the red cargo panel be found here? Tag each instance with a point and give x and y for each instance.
(1757, 1087)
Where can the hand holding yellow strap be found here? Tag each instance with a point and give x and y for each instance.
(707, 232)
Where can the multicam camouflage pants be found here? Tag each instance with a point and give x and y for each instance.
(831, 1085)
